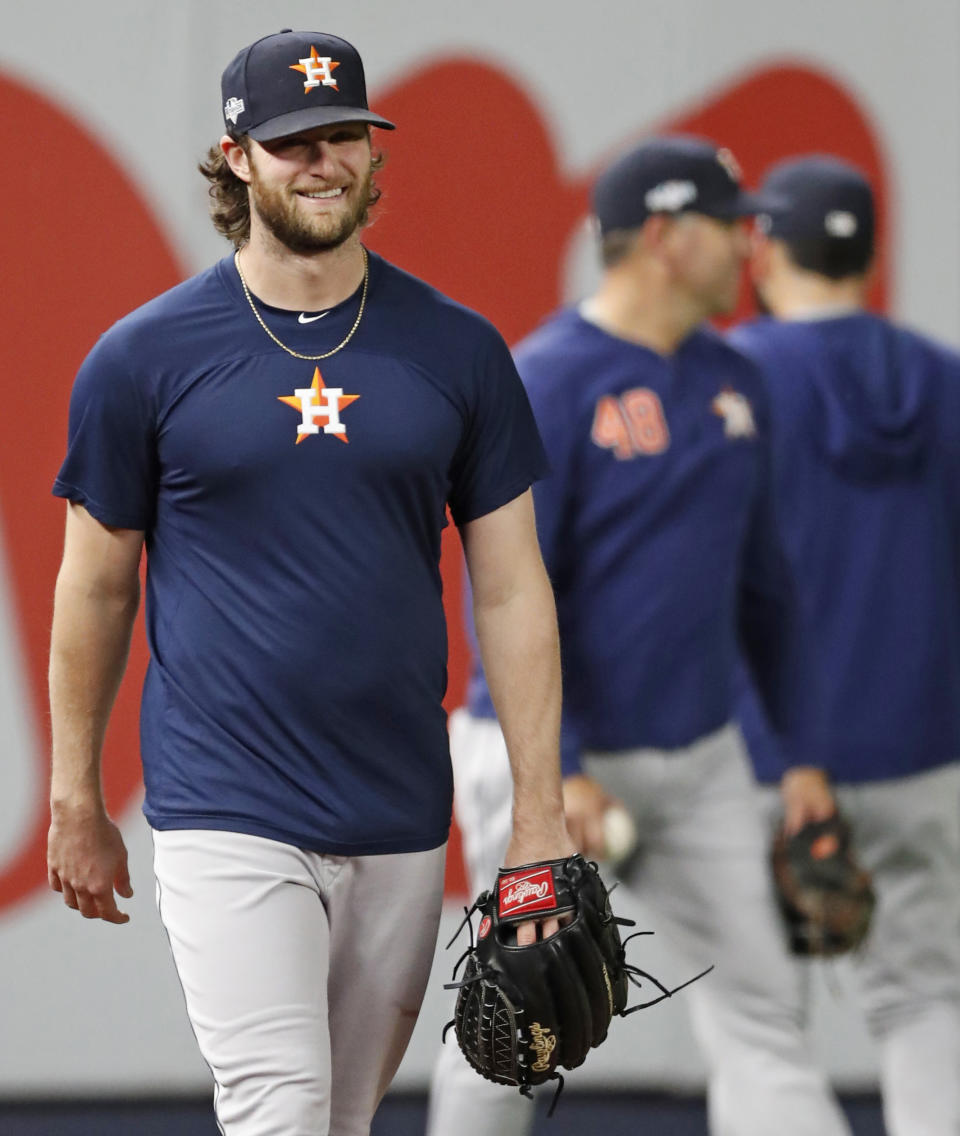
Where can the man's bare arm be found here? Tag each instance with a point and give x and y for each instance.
(516, 625)
(95, 604)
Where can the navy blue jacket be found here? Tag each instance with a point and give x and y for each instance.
(865, 431)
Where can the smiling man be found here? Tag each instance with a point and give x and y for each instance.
(283, 433)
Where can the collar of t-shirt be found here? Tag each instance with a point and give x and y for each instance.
(307, 318)
(822, 312)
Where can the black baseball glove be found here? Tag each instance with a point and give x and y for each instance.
(523, 1011)
(825, 896)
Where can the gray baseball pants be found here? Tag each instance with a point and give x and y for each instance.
(303, 973)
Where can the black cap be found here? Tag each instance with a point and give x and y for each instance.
(817, 195)
(675, 174)
(293, 81)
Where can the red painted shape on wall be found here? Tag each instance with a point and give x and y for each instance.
(80, 249)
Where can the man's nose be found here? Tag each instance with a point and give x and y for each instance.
(320, 156)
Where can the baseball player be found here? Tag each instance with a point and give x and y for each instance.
(288, 476)
(654, 533)
(865, 420)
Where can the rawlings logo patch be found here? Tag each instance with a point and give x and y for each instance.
(543, 1043)
(484, 929)
(532, 891)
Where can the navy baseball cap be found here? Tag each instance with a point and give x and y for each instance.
(673, 174)
(293, 81)
(817, 195)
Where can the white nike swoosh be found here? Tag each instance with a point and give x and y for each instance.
(309, 319)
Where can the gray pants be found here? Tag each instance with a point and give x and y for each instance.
(303, 974)
(907, 832)
(701, 867)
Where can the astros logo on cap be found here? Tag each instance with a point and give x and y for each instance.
(318, 70)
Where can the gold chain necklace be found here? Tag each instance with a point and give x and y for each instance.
(296, 354)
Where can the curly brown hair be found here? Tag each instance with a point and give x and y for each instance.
(230, 200)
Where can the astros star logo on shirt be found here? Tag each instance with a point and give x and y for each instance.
(736, 412)
(319, 401)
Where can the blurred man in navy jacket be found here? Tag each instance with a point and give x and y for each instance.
(865, 425)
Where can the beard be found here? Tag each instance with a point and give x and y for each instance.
(277, 209)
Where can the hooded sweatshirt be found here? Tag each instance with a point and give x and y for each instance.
(865, 438)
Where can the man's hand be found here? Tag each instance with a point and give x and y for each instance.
(807, 797)
(87, 862)
(585, 802)
(521, 851)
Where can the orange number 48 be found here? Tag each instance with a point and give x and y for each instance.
(630, 425)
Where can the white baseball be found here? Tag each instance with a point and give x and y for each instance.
(619, 834)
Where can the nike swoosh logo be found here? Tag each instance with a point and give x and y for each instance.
(309, 319)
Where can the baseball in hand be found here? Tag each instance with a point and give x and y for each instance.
(619, 834)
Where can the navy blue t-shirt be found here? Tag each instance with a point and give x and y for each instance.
(644, 525)
(865, 422)
(293, 513)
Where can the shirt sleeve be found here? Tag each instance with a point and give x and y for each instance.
(501, 454)
(110, 467)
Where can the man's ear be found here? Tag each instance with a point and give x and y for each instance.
(236, 156)
(654, 232)
(761, 256)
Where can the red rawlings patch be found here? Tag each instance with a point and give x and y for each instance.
(484, 929)
(523, 893)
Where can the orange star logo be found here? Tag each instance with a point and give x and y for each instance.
(319, 401)
(318, 70)
(736, 412)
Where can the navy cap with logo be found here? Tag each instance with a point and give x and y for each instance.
(817, 195)
(293, 81)
(673, 174)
